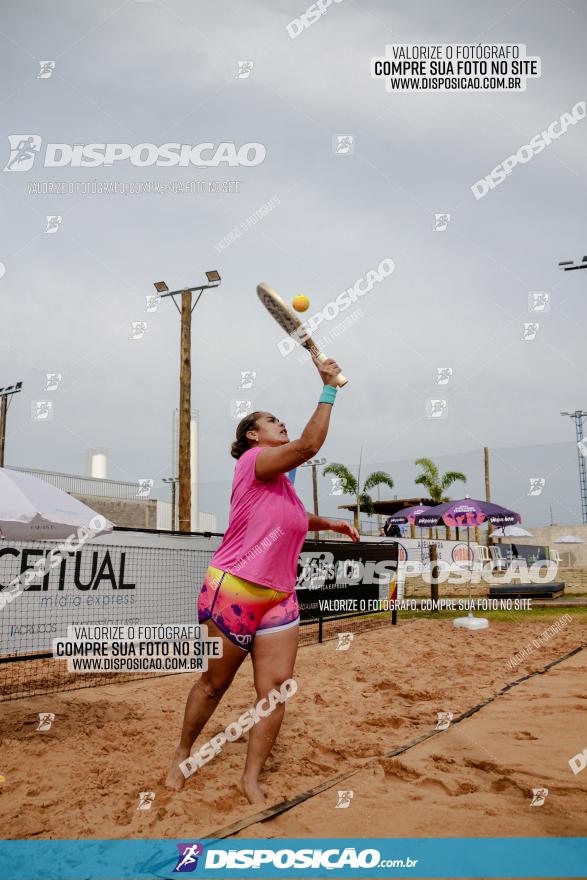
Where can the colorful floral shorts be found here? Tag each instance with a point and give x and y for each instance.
(242, 609)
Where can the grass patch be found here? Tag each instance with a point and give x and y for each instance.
(577, 612)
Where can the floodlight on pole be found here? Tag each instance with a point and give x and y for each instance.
(185, 382)
(569, 266)
(6, 394)
(579, 417)
(174, 481)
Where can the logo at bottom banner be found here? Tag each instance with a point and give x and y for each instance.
(285, 858)
(188, 857)
(347, 857)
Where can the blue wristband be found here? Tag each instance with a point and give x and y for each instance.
(328, 394)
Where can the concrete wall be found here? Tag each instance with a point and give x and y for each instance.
(206, 521)
(139, 514)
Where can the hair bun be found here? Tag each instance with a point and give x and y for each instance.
(241, 444)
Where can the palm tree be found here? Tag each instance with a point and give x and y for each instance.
(352, 486)
(435, 484)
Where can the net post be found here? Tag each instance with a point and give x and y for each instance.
(434, 575)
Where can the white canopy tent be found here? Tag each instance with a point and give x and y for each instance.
(33, 509)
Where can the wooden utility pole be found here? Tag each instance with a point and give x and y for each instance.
(487, 489)
(3, 408)
(487, 485)
(185, 388)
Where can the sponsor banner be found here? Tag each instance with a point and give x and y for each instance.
(451, 552)
(340, 577)
(457, 553)
(106, 582)
(297, 857)
(150, 579)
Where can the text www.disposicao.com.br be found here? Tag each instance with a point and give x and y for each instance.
(135, 664)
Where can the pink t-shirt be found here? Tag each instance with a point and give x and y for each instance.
(267, 527)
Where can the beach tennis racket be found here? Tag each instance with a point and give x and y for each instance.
(291, 324)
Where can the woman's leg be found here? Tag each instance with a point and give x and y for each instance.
(203, 699)
(273, 655)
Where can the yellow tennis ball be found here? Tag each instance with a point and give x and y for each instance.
(2, 778)
(300, 302)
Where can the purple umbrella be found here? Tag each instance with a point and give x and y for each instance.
(467, 512)
(401, 517)
(408, 515)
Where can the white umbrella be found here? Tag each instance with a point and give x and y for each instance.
(569, 539)
(33, 509)
(511, 531)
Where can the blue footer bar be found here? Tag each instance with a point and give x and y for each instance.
(304, 858)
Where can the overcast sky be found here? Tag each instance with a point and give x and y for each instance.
(160, 72)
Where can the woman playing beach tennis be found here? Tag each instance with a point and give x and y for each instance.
(248, 597)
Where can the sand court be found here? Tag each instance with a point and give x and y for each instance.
(83, 777)
(474, 779)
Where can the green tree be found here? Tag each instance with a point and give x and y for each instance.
(351, 485)
(434, 483)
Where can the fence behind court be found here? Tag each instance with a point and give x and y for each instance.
(154, 578)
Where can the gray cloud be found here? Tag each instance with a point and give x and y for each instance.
(158, 72)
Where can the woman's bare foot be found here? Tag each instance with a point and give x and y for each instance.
(175, 778)
(251, 790)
